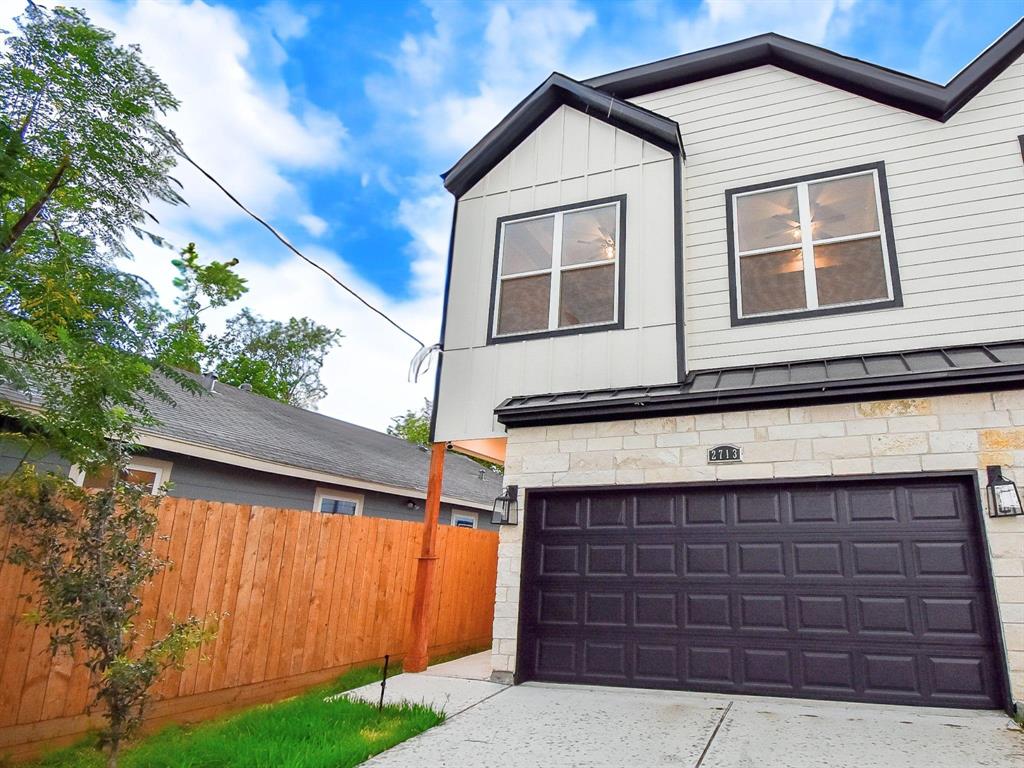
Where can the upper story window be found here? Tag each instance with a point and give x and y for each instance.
(816, 245)
(559, 271)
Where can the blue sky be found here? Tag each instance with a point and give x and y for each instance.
(335, 119)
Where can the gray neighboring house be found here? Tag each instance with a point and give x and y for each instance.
(232, 445)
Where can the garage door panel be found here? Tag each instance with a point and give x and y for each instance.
(897, 676)
(873, 593)
(888, 506)
(852, 614)
(919, 561)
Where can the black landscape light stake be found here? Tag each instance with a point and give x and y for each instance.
(383, 682)
(1003, 497)
(506, 507)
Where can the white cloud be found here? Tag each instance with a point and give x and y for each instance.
(723, 21)
(428, 220)
(510, 48)
(286, 22)
(250, 131)
(366, 376)
(313, 224)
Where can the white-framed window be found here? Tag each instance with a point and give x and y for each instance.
(816, 245)
(462, 518)
(151, 473)
(559, 270)
(332, 502)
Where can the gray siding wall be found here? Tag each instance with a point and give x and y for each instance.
(12, 454)
(193, 478)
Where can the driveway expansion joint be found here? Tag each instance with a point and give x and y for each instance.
(718, 725)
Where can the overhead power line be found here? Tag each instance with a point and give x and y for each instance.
(284, 241)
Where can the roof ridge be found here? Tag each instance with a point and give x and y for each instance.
(876, 81)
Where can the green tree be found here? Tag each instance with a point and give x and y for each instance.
(82, 152)
(413, 426)
(84, 148)
(200, 287)
(281, 360)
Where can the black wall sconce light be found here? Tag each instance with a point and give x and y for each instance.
(506, 507)
(1003, 497)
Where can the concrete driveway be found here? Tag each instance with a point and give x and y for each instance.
(558, 726)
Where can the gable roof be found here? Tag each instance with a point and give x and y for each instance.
(235, 426)
(878, 376)
(525, 117)
(922, 97)
(603, 97)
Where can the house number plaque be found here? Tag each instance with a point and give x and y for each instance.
(725, 454)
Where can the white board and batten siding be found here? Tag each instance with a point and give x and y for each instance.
(570, 158)
(956, 190)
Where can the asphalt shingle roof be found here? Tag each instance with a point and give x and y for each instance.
(241, 422)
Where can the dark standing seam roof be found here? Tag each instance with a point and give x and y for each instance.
(834, 379)
(245, 423)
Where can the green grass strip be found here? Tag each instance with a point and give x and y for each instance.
(302, 732)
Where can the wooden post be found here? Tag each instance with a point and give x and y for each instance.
(416, 658)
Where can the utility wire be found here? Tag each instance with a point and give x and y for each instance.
(288, 245)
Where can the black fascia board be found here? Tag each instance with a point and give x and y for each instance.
(897, 89)
(556, 91)
(752, 398)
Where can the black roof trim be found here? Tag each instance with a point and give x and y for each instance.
(922, 97)
(940, 370)
(554, 92)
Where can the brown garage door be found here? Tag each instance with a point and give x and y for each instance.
(866, 591)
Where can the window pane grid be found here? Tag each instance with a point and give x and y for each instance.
(858, 270)
(518, 275)
(559, 305)
(847, 238)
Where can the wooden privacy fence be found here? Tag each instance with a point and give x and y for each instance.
(307, 596)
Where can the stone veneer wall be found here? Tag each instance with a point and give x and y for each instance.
(932, 434)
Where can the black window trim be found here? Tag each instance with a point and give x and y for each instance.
(617, 324)
(800, 314)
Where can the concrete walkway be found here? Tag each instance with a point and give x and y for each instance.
(452, 687)
(563, 726)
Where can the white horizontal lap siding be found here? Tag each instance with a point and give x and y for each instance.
(570, 158)
(956, 191)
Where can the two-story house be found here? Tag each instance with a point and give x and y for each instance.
(750, 322)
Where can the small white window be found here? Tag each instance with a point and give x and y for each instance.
(332, 502)
(811, 245)
(151, 473)
(463, 519)
(558, 270)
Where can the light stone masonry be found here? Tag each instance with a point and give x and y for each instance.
(932, 434)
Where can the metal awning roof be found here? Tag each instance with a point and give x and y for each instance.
(835, 379)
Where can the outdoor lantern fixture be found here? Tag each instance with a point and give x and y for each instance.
(506, 507)
(1003, 498)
